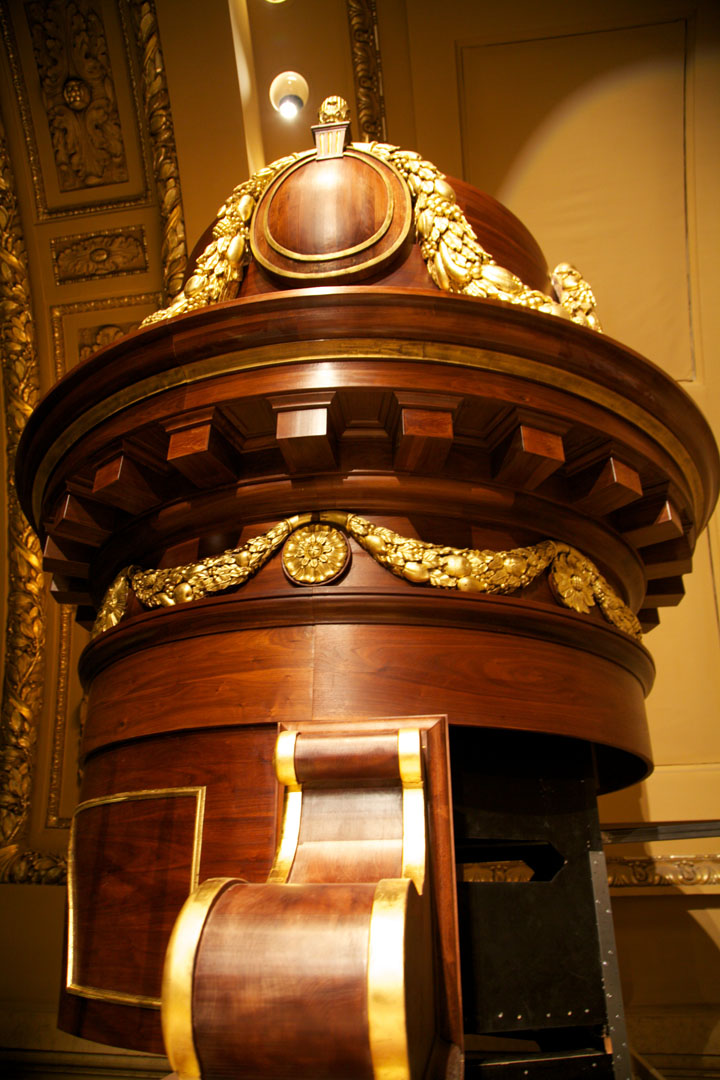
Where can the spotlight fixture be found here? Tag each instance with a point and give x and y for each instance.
(289, 93)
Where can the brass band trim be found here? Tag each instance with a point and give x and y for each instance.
(284, 765)
(177, 981)
(284, 758)
(413, 807)
(98, 993)
(283, 353)
(330, 256)
(387, 1028)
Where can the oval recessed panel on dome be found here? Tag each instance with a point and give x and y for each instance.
(340, 217)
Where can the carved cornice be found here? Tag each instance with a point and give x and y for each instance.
(162, 142)
(367, 69)
(25, 627)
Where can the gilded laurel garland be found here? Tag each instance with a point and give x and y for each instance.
(25, 628)
(455, 259)
(367, 71)
(221, 266)
(575, 580)
(162, 141)
(178, 584)
(575, 294)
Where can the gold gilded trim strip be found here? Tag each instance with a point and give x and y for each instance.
(664, 871)
(177, 981)
(52, 817)
(284, 758)
(541, 372)
(94, 992)
(413, 807)
(387, 1027)
(289, 836)
(24, 642)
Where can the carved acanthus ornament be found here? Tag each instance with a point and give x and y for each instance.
(576, 582)
(367, 70)
(25, 628)
(78, 92)
(85, 256)
(455, 259)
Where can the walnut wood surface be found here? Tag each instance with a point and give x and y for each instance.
(458, 421)
(266, 951)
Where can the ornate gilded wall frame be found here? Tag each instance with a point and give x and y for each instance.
(92, 338)
(78, 92)
(25, 627)
(109, 253)
(43, 210)
(367, 69)
(575, 581)
(59, 312)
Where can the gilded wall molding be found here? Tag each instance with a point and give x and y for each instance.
(92, 255)
(26, 619)
(162, 142)
(663, 871)
(43, 210)
(367, 69)
(59, 312)
(77, 87)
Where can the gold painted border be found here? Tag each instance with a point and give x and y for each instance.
(348, 271)
(284, 765)
(414, 854)
(52, 816)
(371, 349)
(177, 980)
(331, 255)
(94, 992)
(387, 1027)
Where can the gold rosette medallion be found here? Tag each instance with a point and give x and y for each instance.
(315, 554)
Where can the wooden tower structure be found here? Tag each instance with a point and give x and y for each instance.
(368, 523)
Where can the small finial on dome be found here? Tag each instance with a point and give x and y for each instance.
(332, 133)
(334, 110)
